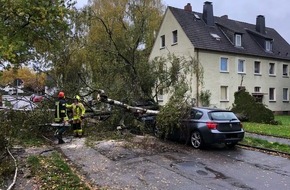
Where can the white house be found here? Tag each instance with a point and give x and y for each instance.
(12, 90)
(233, 54)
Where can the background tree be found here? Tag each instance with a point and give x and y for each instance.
(30, 28)
(70, 59)
(32, 80)
(119, 41)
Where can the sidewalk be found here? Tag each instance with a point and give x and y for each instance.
(269, 138)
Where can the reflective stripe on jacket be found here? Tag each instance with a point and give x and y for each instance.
(78, 110)
(60, 113)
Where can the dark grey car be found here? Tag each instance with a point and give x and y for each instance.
(206, 126)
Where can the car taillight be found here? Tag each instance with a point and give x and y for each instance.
(211, 125)
(241, 125)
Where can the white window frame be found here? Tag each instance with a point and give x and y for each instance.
(268, 45)
(224, 97)
(238, 40)
(221, 64)
(243, 66)
(259, 69)
(162, 41)
(285, 94)
(285, 70)
(257, 89)
(174, 37)
(272, 94)
(272, 66)
(160, 96)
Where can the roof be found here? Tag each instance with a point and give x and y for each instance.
(199, 33)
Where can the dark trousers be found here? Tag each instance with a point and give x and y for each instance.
(76, 126)
(59, 132)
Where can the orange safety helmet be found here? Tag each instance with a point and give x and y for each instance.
(61, 94)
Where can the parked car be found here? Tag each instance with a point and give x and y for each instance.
(36, 98)
(205, 126)
(149, 120)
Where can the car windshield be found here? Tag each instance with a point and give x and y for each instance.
(223, 116)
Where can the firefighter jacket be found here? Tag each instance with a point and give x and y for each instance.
(78, 110)
(60, 113)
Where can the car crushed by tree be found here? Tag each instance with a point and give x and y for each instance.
(205, 126)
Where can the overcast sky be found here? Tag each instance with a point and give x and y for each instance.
(276, 12)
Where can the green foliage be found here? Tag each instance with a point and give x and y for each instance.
(54, 173)
(25, 127)
(283, 119)
(168, 72)
(121, 38)
(246, 106)
(267, 129)
(28, 28)
(34, 163)
(6, 168)
(204, 97)
(266, 144)
(170, 115)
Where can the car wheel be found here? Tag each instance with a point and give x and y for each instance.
(196, 140)
(231, 144)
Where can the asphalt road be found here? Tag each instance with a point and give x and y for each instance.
(146, 163)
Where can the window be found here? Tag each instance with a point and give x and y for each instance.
(268, 45)
(238, 40)
(162, 41)
(219, 115)
(272, 68)
(174, 37)
(224, 93)
(224, 64)
(285, 94)
(195, 114)
(257, 89)
(285, 70)
(257, 66)
(241, 66)
(271, 94)
(217, 37)
(160, 96)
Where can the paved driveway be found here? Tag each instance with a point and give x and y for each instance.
(147, 163)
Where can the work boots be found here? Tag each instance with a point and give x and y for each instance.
(60, 141)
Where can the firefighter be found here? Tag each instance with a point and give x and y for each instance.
(61, 116)
(78, 112)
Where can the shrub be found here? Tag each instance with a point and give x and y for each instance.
(170, 115)
(205, 97)
(246, 107)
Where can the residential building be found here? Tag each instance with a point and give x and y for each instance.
(233, 55)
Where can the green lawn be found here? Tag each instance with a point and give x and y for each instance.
(281, 130)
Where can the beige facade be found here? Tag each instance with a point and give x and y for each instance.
(265, 78)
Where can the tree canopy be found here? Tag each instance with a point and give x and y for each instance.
(32, 80)
(30, 27)
(119, 41)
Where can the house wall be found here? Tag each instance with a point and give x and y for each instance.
(214, 78)
(182, 48)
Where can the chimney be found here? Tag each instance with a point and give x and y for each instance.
(260, 24)
(188, 7)
(208, 13)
